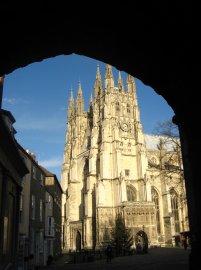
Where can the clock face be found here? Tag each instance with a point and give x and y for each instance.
(124, 126)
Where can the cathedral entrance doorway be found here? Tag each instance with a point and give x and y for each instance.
(78, 241)
(141, 237)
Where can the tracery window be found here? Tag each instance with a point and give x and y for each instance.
(175, 210)
(85, 174)
(84, 209)
(155, 199)
(127, 172)
(117, 106)
(154, 160)
(131, 194)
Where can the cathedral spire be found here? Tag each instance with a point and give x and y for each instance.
(90, 109)
(79, 100)
(120, 83)
(71, 96)
(71, 104)
(98, 75)
(98, 84)
(79, 88)
(109, 79)
(131, 88)
(91, 99)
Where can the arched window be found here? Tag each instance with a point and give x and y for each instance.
(131, 194)
(86, 168)
(155, 199)
(117, 106)
(175, 212)
(153, 160)
(128, 108)
(85, 174)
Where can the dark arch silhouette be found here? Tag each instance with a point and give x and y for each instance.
(78, 241)
(142, 237)
(154, 45)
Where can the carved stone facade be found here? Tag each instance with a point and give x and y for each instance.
(109, 169)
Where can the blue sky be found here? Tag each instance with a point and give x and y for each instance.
(38, 94)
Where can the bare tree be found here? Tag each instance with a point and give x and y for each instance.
(170, 159)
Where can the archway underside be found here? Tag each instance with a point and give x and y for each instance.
(153, 45)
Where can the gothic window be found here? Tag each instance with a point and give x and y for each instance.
(175, 210)
(85, 174)
(169, 164)
(155, 199)
(127, 173)
(153, 160)
(117, 106)
(128, 108)
(131, 194)
(182, 211)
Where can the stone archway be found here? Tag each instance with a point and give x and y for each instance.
(155, 46)
(142, 237)
(78, 241)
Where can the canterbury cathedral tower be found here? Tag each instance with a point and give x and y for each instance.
(111, 168)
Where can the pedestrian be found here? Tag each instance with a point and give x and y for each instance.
(185, 243)
(109, 253)
(138, 247)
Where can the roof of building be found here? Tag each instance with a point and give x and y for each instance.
(152, 142)
(48, 173)
(9, 145)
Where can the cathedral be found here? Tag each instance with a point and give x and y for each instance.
(111, 168)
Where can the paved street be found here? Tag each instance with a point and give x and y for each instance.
(156, 259)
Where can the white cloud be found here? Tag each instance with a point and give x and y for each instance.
(63, 108)
(52, 162)
(13, 101)
(26, 123)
